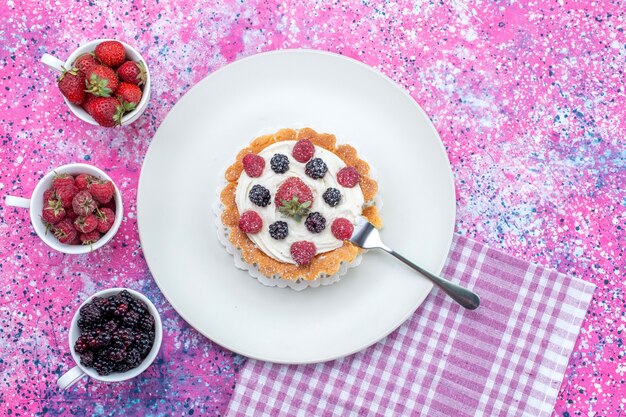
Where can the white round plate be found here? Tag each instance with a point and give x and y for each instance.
(201, 136)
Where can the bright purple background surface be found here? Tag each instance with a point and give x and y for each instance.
(528, 100)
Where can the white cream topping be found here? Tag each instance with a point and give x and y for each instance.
(350, 206)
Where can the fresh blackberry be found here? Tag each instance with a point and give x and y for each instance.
(81, 345)
(315, 222)
(138, 307)
(316, 168)
(86, 325)
(126, 296)
(332, 196)
(110, 326)
(115, 354)
(90, 315)
(279, 163)
(123, 366)
(143, 342)
(86, 358)
(121, 309)
(131, 319)
(103, 304)
(279, 230)
(124, 336)
(133, 358)
(103, 365)
(96, 339)
(260, 195)
(146, 322)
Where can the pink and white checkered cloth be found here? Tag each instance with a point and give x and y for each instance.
(506, 358)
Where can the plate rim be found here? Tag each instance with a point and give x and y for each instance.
(419, 300)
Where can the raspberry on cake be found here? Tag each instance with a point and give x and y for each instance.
(291, 201)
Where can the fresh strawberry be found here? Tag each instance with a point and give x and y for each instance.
(293, 198)
(348, 177)
(253, 164)
(64, 231)
(303, 252)
(82, 181)
(133, 72)
(129, 93)
(303, 150)
(106, 218)
(102, 191)
(89, 238)
(61, 180)
(342, 228)
(86, 62)
(53, 211)
(83, 203)
(66, 194)
(250, 222)
(88, 103)
(111, 53)
(86, 224)
(72, 85)
(102, 81)
(108, 111)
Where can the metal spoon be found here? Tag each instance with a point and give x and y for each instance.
(366, 236)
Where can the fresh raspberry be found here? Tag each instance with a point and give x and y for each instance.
(89, 238)
(83, 203)
(316, 168)
(303, 252)
(106, 218)
(66, 194)
(111, 53)
(110, 204)
(253, 164)
(49, 194)
(342, 228)
(293, 187)
(71, 214)
(348, 177)
(102, 191)
(82, 181)
(65, 231)
(315, 222)
(86, 224)
(303, 150)
(53, 211)
(61, 180)
(250, 222)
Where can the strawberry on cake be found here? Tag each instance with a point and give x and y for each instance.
(291, 202)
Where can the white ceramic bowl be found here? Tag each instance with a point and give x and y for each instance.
(77, 372)
(35, 205)
(131, 54)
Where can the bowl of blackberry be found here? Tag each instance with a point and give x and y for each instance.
(115, 335)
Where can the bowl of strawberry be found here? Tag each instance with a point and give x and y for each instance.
(74, 209)
(104, 82)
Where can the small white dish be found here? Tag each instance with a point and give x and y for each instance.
(131, 54)
(79, 371)
(35, 206)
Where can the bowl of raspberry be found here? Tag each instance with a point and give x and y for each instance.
(75, 208)
(104, 82)
(115, 335)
